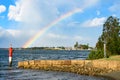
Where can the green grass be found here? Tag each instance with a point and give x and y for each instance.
(117, 58)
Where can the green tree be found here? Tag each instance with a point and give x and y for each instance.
(99, 44)
(110, 35)
(76, 45)
(95, 54)
(84, 46)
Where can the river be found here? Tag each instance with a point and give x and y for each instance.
(13, 73)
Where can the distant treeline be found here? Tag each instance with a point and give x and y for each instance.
(42, 48)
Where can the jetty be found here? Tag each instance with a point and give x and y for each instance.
(83, 67)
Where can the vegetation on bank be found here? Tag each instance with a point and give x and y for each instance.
(96, 54)
(116, 58)
(78, 46)
(111, 37)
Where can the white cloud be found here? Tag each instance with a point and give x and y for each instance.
(35, 14)
(89, 4)
(81, 39)
(42, 12)
(67, 37)
(14, 33)
(2, 32)
(96, 22)
(114, 15)
(12, 36)
(51, 35)
(53, 39)
(2, 8)
(115, 7)
(24, 11)
(14, 13)
(73, 24)
(78, 38)
(9, 32)
(98, 12)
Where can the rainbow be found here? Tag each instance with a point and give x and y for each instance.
(46, 28)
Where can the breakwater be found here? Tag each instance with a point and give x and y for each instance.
(84, 67)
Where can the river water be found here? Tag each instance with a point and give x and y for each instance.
(13, 73)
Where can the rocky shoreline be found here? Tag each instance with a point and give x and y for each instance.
(83, 67)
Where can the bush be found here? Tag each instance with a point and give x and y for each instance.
(96, 54)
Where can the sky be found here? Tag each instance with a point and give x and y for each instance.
(20, 20)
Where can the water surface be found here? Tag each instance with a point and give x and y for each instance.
(13, 73)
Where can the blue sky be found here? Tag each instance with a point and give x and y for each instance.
(22, 19)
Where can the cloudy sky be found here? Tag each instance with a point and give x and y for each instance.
(20, 20)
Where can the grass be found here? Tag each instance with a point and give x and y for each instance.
(116, 58)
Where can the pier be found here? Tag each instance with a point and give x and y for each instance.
(83, 67)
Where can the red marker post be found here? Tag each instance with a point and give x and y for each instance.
(10, 55)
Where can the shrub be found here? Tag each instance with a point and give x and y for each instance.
(96, 54)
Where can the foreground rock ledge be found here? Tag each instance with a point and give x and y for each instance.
(84, 67)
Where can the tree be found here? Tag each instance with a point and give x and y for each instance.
(83, 46)
(110, 35)
(76, 45)
(99, 44)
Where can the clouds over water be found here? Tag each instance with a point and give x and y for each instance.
(32, 16)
